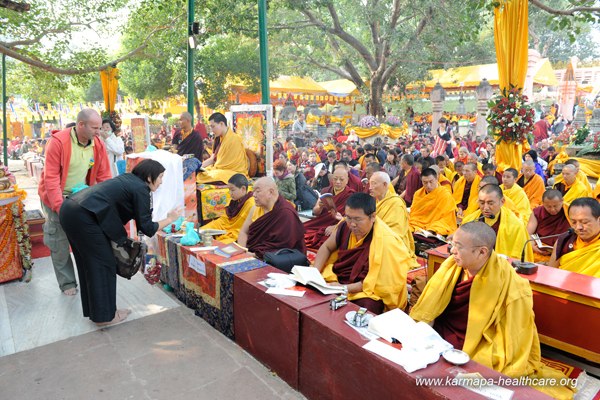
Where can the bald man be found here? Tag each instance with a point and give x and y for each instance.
(532, 183)
(272, 224)
(581, 176)
(546, 220)
(391, 209)
(570, 187)
(186, 140)
(465, 190)
(478, 303)
(74, 157)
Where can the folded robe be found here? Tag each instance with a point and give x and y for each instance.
(392, 210)
(511, 235)
(230, 159)
(459, 190)
(501, 332)
(573, 192)
(520, 201)
(277, 229)
(434, 211)
(534, 189)
(583, 259)
(232, 221)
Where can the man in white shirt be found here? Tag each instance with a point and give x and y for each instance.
(114, 145)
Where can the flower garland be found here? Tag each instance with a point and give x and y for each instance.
(510, 117)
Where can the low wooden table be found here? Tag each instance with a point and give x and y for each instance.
(566, 306)
(268, 326)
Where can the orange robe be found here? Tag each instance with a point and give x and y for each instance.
(534, 189)
(434, 211)
(459, 189)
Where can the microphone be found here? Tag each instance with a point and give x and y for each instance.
(483, 217)
(528, 268)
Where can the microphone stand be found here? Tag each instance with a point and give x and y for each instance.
(529, 268)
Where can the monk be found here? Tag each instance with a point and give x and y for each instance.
(433, 207)
(478, 303)
(548, 219)
(391, 209)
(532, 184)
(229, 155)
(442, 164)
(187, 140)
(237, 210)
(328, 214)
(579, 250)
(596, 193)
(367, 257)
(580, 175)
(570, 187)
(510, 230)
(516, 194)
(413, 181)
(489, 169)
(354, 182)
(458, 172)
(465, 190)
(272, 224)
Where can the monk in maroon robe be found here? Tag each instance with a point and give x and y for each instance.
(187, 140)
(413, 178)
(548, 219)
(327, 212)
(452, 323)
(273, 224)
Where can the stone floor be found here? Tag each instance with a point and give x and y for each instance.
(162, 351)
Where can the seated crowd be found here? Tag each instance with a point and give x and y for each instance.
(371, 208)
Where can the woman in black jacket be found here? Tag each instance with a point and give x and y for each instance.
(94, 217)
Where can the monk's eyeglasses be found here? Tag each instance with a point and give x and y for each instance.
(460, 247)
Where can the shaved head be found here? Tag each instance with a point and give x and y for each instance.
(381, 177)
(480, 234)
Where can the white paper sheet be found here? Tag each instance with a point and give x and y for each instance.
(285, 292)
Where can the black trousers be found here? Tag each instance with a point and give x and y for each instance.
(96, 264)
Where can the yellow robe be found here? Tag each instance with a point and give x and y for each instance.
(534, 189)
(585, 259)
(581, 177)
(512, 234)
(392, 210)
(231, 225)
(231, 160)
(459, 189)
(596, 193)
(576, 191)
(434, 211)
(389, 261)
(501, 332)
(520, 201)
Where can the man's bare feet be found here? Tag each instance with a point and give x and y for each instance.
(70, 292)
(120, 316)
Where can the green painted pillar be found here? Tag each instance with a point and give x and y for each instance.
(264, 52)
(190, 62)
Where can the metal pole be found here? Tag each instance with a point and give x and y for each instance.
(4, 129)
(264, 51)
(190, 63)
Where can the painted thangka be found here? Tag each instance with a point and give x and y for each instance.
(251, 126)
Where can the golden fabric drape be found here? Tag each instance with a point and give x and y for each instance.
(110, 84)
(511, 39)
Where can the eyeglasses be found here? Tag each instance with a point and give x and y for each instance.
(460, 247)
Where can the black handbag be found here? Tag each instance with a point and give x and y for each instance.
(285, 259)
(130, 257)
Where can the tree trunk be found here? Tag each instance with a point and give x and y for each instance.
(376, 98)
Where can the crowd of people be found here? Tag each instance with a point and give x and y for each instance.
(372, 207)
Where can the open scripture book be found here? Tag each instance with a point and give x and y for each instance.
(310, 276)
(540, 245)
(430, 234)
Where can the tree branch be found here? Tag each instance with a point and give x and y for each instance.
(10, 52)
(331, 68)
(13, 5)
(567, 12)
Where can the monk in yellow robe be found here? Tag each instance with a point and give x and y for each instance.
(478, 303)
(596, 193)
(579, 174)
(510, 230)
(465, 190)
(546, 220)
(532, 184)
(392, 210)
(579, 251)
(514, 192)
(367, 257)
(442, 180)
(229, 155)
(236, 212)
(570, 187)
(433, 206)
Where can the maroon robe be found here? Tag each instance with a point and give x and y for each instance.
(235, 206)
(451, 324)
(549, 224)
(464, 203)
(315, 228)
(192, 144)
(278, 229)
(354, 183)
(413, 183)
